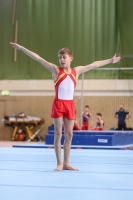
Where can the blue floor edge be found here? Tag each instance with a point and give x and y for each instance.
(122, 147)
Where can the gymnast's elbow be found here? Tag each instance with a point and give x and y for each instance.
(38, 58)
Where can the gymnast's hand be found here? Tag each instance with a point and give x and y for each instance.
(115, 59)
(16, 46)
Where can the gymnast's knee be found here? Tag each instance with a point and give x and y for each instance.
(58, 134)
(69, 135)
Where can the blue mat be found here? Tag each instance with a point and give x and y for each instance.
(27, 174)
(45, 146)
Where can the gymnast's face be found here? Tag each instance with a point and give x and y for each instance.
(65, 60)
(98, 117)
(86, 110)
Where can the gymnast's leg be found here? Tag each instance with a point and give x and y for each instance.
(68, 126)
(57, 141)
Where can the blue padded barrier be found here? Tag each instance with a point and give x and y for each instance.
(98, 138)
(83, 140)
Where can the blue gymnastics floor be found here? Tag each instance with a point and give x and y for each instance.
(27, 174)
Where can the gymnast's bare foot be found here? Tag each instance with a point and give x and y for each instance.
(59, 167)
(68, 167)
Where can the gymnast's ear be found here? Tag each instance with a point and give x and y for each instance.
(71, 58)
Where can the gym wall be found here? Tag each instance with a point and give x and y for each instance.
(93, 29)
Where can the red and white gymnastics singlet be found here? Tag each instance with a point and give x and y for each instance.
(63, 104)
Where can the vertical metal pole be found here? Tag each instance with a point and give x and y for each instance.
(16, 39)
(81, 100)
(13, 12)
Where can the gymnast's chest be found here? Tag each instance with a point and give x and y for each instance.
(67, 84)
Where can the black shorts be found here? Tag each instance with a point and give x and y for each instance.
(121, 127)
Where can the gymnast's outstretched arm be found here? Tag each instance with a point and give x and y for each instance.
(49, 66)
(96, 64)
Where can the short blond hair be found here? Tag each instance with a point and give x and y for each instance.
(65, 50)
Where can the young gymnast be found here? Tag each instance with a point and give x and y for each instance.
(86, 117)
(65, 79)
(99, 122)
